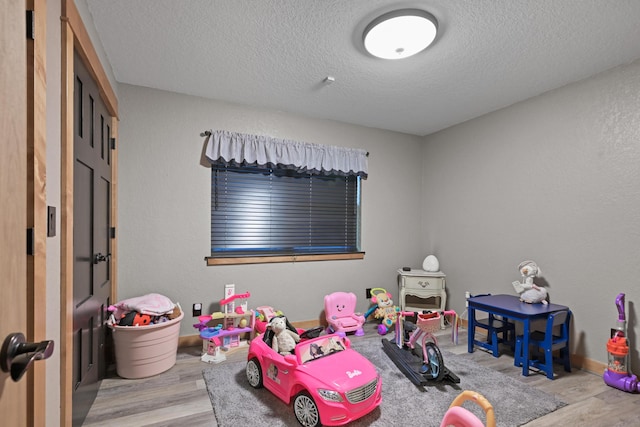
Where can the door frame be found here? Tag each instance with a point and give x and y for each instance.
(36, 272)
(75, 37)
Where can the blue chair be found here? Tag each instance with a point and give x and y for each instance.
(495, 326)
(555, 337)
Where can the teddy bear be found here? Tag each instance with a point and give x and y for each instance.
(285, 339)
(175, 313)
(529, 291)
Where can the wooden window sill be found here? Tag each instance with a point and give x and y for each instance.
(281, 258)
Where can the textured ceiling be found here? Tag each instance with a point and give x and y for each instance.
(276, 53)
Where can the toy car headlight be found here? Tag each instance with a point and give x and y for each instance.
(330, 395)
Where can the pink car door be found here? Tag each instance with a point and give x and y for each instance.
(279, 375)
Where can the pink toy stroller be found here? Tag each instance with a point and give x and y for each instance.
(339, 308)
(457, 416)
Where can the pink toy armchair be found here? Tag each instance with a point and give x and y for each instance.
(339, 308)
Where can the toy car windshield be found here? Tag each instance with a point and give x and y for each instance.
(319, 347)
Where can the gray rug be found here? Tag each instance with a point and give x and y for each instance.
(515, 403)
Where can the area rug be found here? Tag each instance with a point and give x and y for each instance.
(515, 403)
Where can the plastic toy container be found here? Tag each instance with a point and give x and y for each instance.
(144, 351)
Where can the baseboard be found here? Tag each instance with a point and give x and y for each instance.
(577, 361)
(305, 324)
(190, 341)
(588, 365)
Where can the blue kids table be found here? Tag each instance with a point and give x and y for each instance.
(511, 307)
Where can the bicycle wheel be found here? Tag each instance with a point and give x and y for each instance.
(433, 366)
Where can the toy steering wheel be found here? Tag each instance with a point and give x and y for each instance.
(311, 333)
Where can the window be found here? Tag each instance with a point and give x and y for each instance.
(276, 200)
(282, 215)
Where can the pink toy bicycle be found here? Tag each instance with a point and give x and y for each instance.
(424, 365)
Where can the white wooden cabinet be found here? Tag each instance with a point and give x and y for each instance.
(422, 290)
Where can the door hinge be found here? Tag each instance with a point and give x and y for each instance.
(113, 143)
(113, 232)
(31, 25)
(31, 241)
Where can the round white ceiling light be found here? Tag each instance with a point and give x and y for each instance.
(400, 33)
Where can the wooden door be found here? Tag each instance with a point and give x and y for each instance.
(13, 201)
(91, 239)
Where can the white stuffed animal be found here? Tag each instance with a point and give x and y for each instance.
(285, 339)
(529, 291)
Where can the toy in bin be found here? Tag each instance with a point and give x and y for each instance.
(617, 374)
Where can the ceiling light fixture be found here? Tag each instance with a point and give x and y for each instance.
(400, 33)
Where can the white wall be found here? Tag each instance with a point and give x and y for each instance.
(164, 207)
(555, 179)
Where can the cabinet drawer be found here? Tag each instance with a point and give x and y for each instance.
(424, 283)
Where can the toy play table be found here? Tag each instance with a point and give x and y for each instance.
(511, 307)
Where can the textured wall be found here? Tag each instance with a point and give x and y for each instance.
(164, 198)
(551, 179)
(555, 179)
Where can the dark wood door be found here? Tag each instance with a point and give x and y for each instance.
(91, 239)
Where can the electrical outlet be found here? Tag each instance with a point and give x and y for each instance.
(368, 293)
(197, 309)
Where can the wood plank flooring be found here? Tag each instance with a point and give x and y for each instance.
(178, 397)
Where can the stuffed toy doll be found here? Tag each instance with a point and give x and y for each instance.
(385, 309)
(285, 340)
(529, 291)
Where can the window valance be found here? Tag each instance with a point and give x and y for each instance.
(239, 149)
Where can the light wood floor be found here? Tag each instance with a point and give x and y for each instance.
(178, 397)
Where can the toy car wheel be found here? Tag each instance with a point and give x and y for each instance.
(433, 368)
(306, 410)
(254, 373)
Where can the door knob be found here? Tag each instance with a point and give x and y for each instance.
(17, 355)
(99, 257)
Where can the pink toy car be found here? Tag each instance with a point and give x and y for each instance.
(329, 383)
